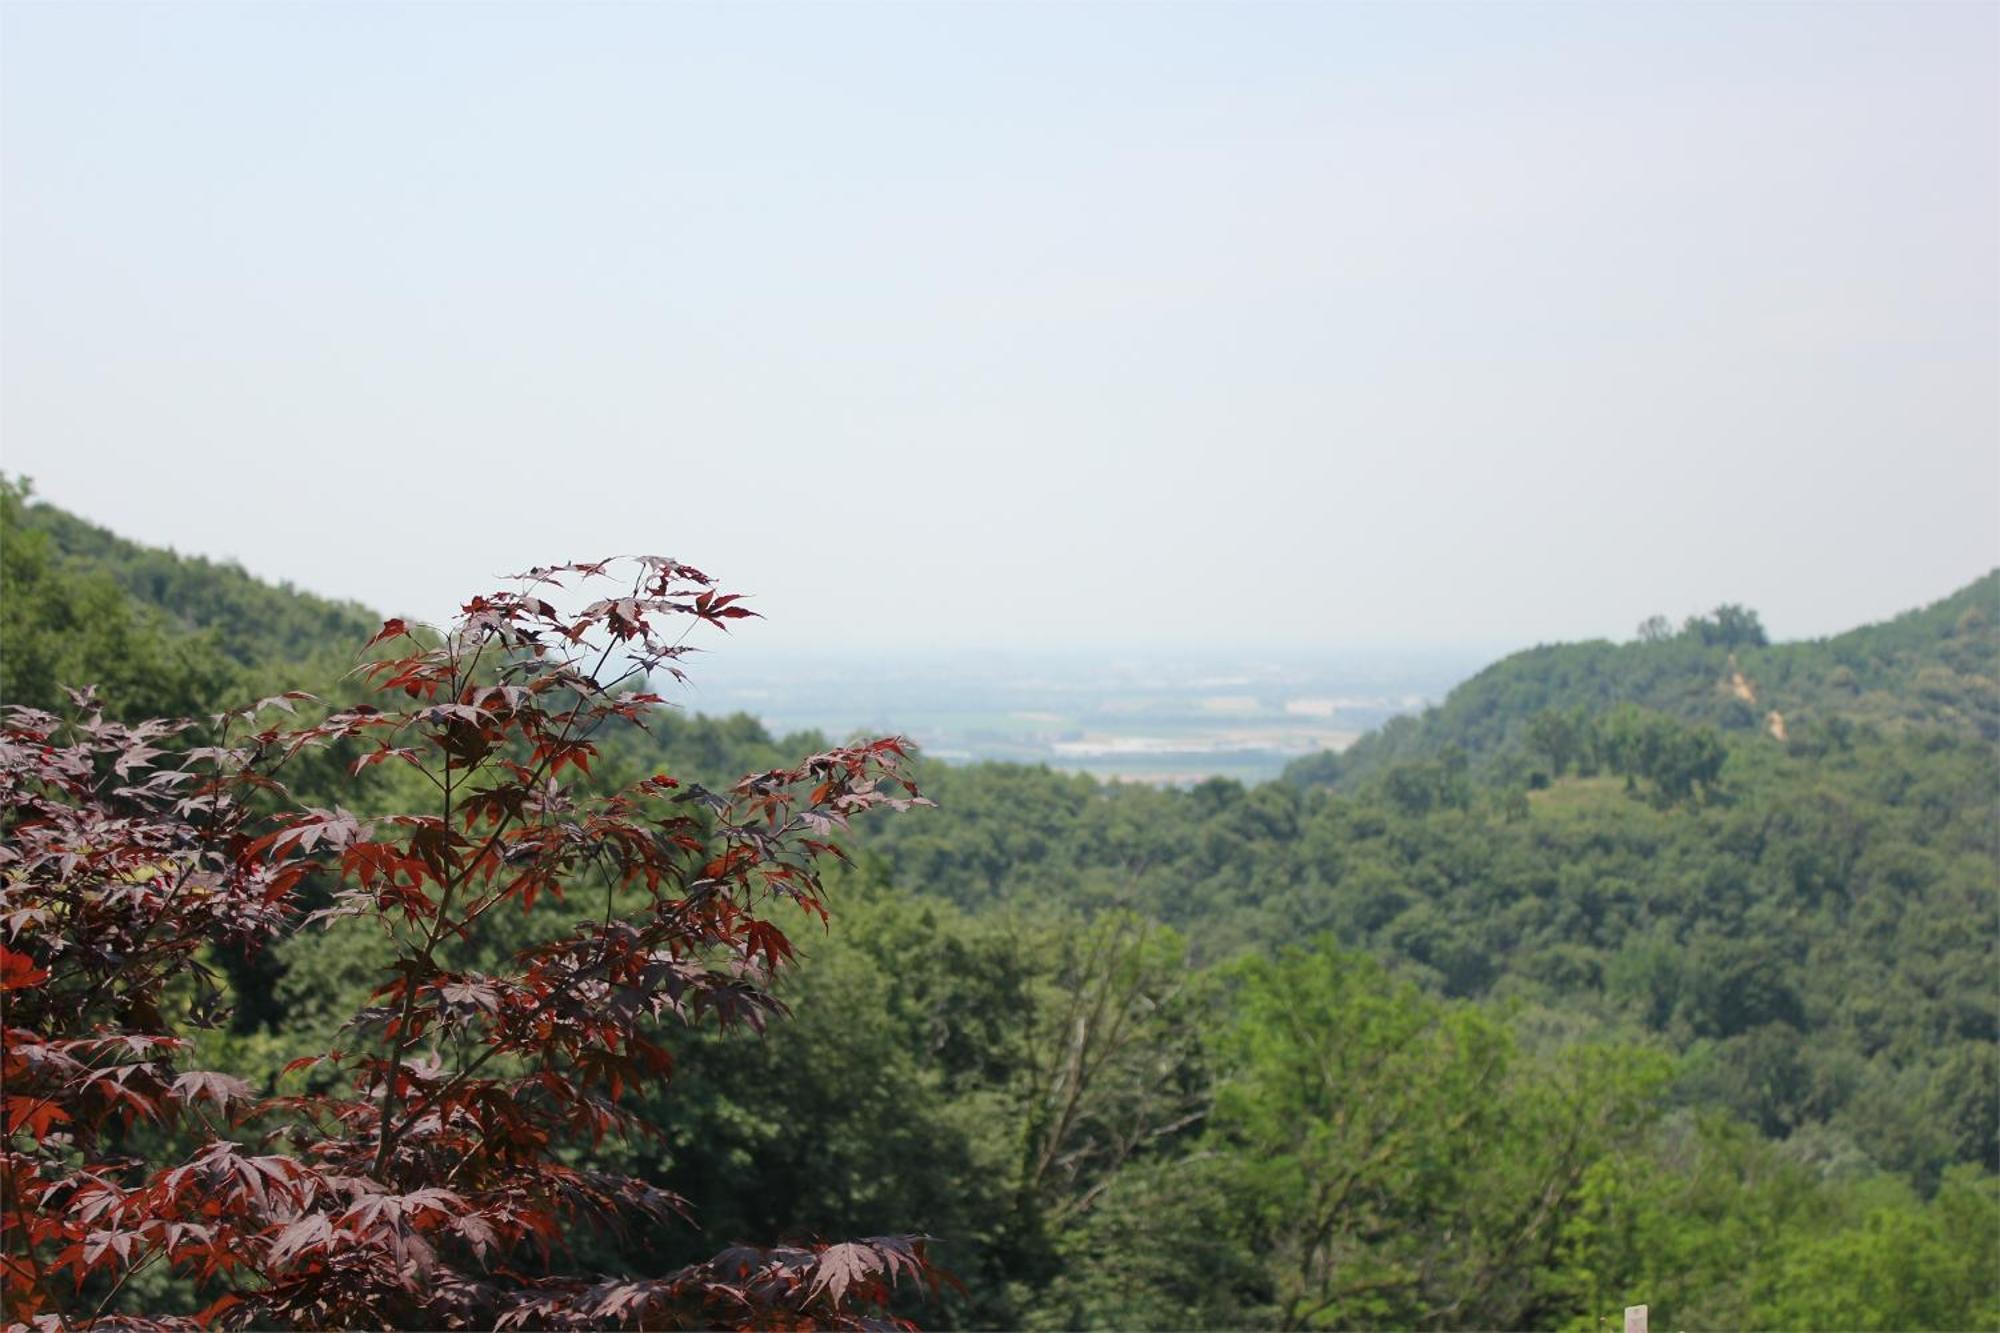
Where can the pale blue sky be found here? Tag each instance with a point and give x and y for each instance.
(1041, 325)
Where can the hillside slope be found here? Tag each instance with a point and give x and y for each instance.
(1932, 668)
(252, 621)
(164, 634)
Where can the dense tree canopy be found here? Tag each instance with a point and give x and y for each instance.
(1655, 972)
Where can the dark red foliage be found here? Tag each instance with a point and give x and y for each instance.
(424, 1177)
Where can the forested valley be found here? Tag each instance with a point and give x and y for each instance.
(1661, 972)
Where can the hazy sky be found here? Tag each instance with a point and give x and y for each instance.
(1303, 325)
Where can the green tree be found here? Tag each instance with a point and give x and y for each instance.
(1553, 735)
(1408, 1167)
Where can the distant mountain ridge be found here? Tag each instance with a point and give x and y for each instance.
(82, 599)
(254, 620)
(1934, 667)
(162, 633)
(173, 635)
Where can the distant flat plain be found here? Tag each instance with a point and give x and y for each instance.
(1135, 717)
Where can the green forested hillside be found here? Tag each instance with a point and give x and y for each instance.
(163, 633)
(1589, 987)
(1938, 667)
(253, 622)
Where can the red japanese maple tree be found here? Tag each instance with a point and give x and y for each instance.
(425, 1174)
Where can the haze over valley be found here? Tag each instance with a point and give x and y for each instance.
(1154, 717)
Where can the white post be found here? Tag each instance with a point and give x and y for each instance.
(1635, 1319)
